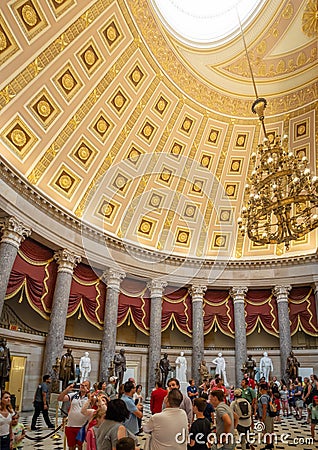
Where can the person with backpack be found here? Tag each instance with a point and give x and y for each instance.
(266, 413)
(249, 394)
(243, 410)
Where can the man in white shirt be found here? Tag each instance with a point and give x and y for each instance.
(186, 404)
(75, 418)
(169, 429)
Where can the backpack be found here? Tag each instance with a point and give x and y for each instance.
(271, 407)
(243, 406)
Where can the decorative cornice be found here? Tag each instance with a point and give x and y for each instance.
(39, 200)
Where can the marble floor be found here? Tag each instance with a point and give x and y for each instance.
(291, 434)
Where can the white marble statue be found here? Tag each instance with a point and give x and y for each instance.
(181, 368)
(266, 366)
(85, 366)
(220, 368)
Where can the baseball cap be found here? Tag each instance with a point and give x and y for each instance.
(113, 379)
(238, 392)
(315, 397)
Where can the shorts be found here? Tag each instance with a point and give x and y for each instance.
(71, 433)
(314, 421)
(299, 404)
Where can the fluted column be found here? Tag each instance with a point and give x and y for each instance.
(238, 295)
(66, 261)
(112, 279)
(13, 233)
(156, 288)
(197, 293)
(281, 294)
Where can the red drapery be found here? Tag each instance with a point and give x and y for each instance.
(34, 273)
(176, 310)
(133, 304)
(261, 311)
(302, 311)
(218, 312)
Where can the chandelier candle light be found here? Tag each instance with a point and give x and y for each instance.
(282, 193)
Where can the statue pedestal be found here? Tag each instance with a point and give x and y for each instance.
(183, 387)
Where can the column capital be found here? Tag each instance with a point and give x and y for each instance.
(113, 277)
(66, 260)
(14, 231)
(238, 293)
(156, 288)
(281, 292)
(197, 292)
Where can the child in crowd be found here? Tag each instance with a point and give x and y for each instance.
(284, 399)
(18, 431)
(125, 443)
(313, 416)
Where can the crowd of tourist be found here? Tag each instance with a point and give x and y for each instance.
(208, 416)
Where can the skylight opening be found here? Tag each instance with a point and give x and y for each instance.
(206, 22)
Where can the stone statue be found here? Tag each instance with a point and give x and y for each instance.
(120, 365)
(266, 366)
(220, 368)
(204, 372)
(55, 383)
(164, 366)
(67, 368)
(5, 363)
(292, 366)
(249, 367)
(181, 368)
(85, 366)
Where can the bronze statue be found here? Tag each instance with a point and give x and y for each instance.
(55, 383)
(120, 365)
(5, 363)
(67, 368)
(164, 366)
(249, 367)
(204, 372)
(292, 366)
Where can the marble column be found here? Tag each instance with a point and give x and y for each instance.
(13, 233)
(197, 293)
(112, 279)
(66, 261)
(156, 288)
(281, 294)
(238, 295)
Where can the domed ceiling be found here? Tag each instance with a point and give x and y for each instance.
(144, 134)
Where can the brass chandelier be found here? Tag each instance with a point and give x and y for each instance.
(282, 194)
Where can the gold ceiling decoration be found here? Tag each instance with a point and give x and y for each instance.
(310, 19)
(102, 102)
